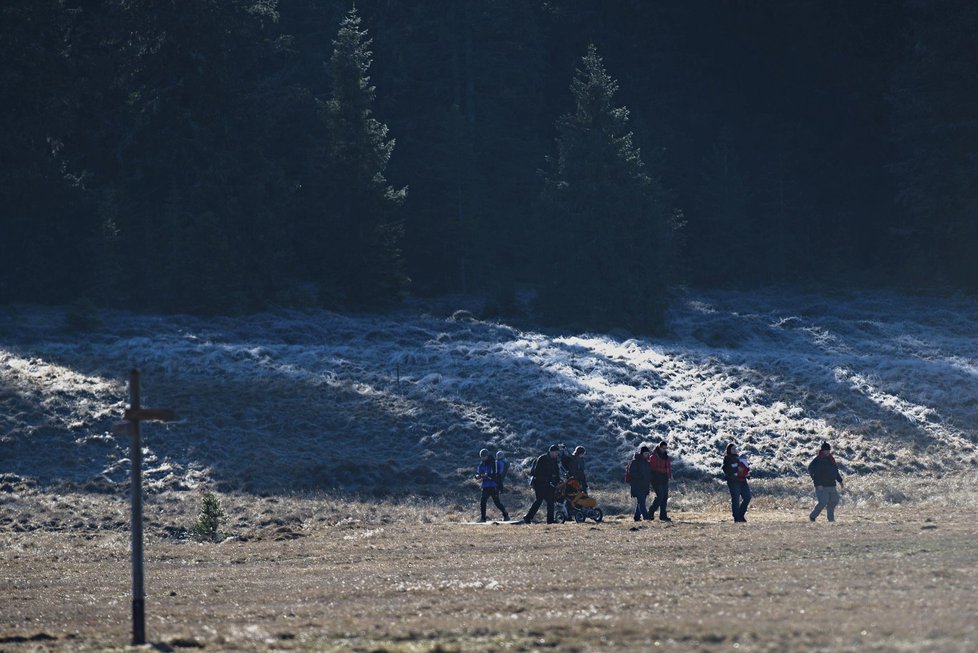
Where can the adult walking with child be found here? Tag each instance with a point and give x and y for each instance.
(488, 474)
(736, 471)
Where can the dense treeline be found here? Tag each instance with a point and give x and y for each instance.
(228, 155)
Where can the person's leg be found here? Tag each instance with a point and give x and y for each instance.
(550, 499)
(663, 494)
(745, 497)
(482, 504)
(641, 512)
(734, 488)
(550, 509)
(832, 500)
(820, 496)
(657, 501)
(499, 504)
(534, 506)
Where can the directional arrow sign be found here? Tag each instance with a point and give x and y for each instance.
(154, 414)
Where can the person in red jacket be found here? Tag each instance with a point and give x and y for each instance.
(661, 473)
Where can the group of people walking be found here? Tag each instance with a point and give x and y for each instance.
(546, 474)
(649, 471)
(823, 470)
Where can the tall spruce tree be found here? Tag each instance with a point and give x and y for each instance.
(43, 201)
(934, 118)
(606, 222)
(177, 153)
(723, 219)
(365, 237)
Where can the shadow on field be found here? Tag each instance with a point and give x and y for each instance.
(361, 404)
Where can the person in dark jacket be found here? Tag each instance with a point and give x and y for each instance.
(737, 471)
(544, 477)
(825, 474)
(661, 465)
(573, 469)
(574, 466)
(639, 475)
(488, 474)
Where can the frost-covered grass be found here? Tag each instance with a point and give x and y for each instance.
(401, 403)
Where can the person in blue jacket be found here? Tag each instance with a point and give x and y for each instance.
(487, 473)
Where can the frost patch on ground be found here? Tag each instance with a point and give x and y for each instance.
(311, 400)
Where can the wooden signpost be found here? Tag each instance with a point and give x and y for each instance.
(133, 416)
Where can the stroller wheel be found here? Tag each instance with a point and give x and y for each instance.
(579, 516)
(597, 515)
(560, 516)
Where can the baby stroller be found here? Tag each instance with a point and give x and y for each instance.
(580, 505)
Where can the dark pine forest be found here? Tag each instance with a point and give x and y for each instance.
(225, 156)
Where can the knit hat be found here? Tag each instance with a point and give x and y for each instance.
(579, 450)
(500, 454)
(826, 446)
(484, 453)
(644, 449)
(555, 447)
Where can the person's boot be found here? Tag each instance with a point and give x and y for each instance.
(482, 519)
(505, 516)
(664, 518)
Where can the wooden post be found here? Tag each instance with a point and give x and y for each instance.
(136, 455)
(133, 415)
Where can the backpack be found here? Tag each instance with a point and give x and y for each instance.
(501, 469)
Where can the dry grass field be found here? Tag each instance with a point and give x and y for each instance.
(313, 574)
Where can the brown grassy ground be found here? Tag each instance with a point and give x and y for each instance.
(309, 574)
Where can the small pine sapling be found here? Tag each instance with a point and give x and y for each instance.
(209, 519)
